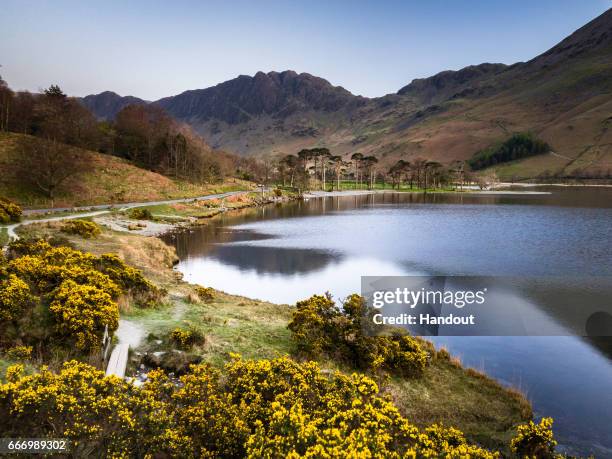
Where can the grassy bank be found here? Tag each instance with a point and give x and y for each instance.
(447, 392)
(109, 180)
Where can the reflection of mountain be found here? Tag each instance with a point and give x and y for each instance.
(202, 240)
(273, 260)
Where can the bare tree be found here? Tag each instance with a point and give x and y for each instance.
(6, 98)
(47, 164)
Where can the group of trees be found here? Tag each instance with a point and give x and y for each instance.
(144, 134)
(327, 171)
(325, 168)
(519, 145)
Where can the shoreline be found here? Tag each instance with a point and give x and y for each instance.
(348, 193)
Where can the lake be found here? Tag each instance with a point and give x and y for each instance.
(561, 236)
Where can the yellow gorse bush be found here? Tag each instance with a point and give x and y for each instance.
(15, 296)
(9, 211)
(254, 408)
(83, 228)
(535, 440)
(19, 352)
(205, 294)
(83, 311)
(320, 328)
(186, 338)
(48, 292)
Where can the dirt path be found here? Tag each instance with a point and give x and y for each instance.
(102, 209)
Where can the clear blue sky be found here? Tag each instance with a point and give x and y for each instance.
(152, 49)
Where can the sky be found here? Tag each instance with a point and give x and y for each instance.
(152, 49)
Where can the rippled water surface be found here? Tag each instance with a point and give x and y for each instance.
(287, 253)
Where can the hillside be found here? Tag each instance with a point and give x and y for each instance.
(564, 96)
(108, 180)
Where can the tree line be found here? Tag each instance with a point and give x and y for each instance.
(519, 145)
(143, 134)
(317, 167)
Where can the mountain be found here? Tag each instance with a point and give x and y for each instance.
(266, 94)
(107, 104)
(449, 83)
(563, 96)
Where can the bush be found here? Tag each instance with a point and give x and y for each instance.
(254, 408)
(321, 329)
(9, 211)
(15, 296)
(82, 312)
(205, 294)
(19, 352)
(185, 339)
(83, 228)
(535, 440)
(62, 297)
(140, 214)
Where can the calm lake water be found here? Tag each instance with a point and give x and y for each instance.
(287, 253)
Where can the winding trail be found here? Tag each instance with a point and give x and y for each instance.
(103, 209)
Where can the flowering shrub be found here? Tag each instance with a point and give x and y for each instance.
(535, 440)
(19, 352)
(264, 408)
(185, 339)
(9, 211)
(14, 297)
(129, 279)
(205, 294)
(82, 312)
(61, 296)
(320, 328)
(83, 228)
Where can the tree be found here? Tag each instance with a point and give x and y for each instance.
(337, 164)
(47, 164)
(142, 132)
(313, 154)
(22, 118)
(418, 165)
(369, 162)
(400, 169)
(6, 100)
(357, 159)
(290, 163)
(324, 154)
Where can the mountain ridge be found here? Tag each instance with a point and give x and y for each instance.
(562, 95)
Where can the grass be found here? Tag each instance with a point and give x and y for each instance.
(464, 398)
(230, 324)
